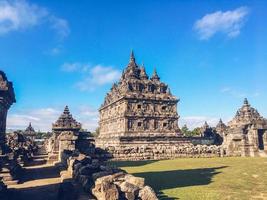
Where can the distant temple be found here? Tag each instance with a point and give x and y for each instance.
(66, 123)
(138, 106)
(7, 98)
(30, 132)
(246, 133)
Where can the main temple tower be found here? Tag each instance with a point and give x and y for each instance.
(138, 106)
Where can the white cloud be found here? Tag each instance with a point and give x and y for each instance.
(198, 121)
(92, 76)
(75, 67)
(18, 15)
(55, 51)
(102, 75)
(43, 118)
(229, 23)
(61, 26)
(98, 76)
(15, 15)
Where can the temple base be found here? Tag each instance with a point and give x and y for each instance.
(156, 148)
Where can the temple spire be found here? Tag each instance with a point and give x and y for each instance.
(246, 101)
(205, 124)
(66, 110)
(143, 74)
(155, 75)
(132, 58)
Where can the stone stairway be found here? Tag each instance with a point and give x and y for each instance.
(7, 177)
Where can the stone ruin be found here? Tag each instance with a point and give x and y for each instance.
(69, 143)
(100, 180)
(67, 135)
(139, 120)
(65, 124)
(80, 166)
(7, 98)
(15, 149)
(246, 133)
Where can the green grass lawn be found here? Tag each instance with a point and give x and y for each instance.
(203, 178)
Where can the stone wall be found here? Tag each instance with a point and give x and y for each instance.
(103, 182)
(156, 148)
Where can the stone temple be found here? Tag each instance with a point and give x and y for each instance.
(30, 132)
(139, 119)
(246, 133)
(65, 123)
(138, 106)
(7, 98)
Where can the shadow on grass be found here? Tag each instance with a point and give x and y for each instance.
(130, 163)
(162, 180)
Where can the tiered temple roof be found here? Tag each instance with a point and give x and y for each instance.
(221, 125)
(247, 115)
(66, 122)
(29, 131)
(135, 83)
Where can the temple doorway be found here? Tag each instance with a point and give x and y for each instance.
(260, 138)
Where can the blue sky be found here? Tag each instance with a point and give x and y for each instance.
(212, 54)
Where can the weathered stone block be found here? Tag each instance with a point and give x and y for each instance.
(147, 193)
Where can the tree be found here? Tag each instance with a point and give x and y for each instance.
(185, 130)
(196, 131)
(96, 132)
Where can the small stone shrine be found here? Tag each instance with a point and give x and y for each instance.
(246, 134)
(67, 126)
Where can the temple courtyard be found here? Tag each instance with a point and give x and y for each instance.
(203, 178)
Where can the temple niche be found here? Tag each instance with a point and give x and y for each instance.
(138, 106)
(7, 98)
(246, 133)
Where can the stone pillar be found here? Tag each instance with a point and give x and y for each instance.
(7, 98)
(9, 167)
(67, 141)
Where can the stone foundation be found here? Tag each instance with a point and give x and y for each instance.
(155, 148)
